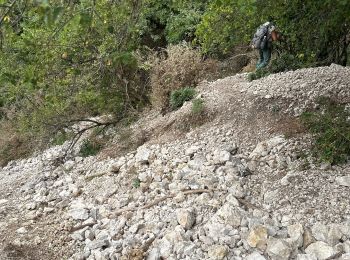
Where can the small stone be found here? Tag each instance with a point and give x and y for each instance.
(49, 210)
(255, 256)
(92, 245)
(31, 206)
(334, 234)
(258, 237)
(278, 249)
(343, 181)
(308, 238)
(186, 218)
(320, 232)
(345, 257)
(78, 213)
(21, 230)
(217, 252)
(306, 257)
(142, 155)
(295, 233)
(89, 234)
(321, 250)
(3, 201)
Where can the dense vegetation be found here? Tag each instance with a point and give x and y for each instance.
(66, 60)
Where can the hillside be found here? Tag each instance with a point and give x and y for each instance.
(239, 182)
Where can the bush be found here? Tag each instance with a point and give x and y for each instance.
(259, 73)
(180, 66)
(197, 106)
(89, 147)
(331, 126)
(178, 97)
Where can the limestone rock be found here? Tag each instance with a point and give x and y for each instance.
(230, 215)
(142, 155)
(306, 257)
(343, 181)
(217, 252)
(278, 249)
(295, 233)
(255, 256)
(186, 218)
(96, 244)
(321, 250)
(308, 238)
(78, 213)
(258, 237)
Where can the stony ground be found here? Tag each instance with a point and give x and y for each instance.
(235, 183)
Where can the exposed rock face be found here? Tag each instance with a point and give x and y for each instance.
(234, 188)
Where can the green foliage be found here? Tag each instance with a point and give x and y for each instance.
(171, 22)
(60, 62)
(89, 148)
(178, 97)
(227, 23)
(259, 73)
(136, 183)
(331, 127)
(60, 138)
(197, 106)
(315, 30)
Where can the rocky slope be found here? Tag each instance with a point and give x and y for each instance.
(235, 187)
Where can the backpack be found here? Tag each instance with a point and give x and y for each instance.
(260, 37)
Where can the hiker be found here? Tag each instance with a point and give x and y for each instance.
(262, 40)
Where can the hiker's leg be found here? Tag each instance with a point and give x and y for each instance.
(267, 56)
(261, 59)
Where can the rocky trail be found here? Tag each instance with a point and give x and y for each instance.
(240, 184)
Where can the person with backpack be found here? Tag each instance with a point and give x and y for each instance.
(262, 41)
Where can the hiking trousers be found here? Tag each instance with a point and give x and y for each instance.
(265, 56)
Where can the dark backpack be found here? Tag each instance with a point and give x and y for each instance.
(260, 37)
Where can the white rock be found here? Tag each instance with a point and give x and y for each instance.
(306, 257)
(258, 237)
(186, 217)
(278, 249)
(95, 244)
(217, 252)
(78, 213)
(320, 231)
(3, 201)
(255, 256)
(295, 233)
(321, 250)
(343, 181)
(345, 257)
(230, 215)
(22, 230)
(142, 155)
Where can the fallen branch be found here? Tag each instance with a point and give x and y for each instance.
(73, 229)
(155, 202)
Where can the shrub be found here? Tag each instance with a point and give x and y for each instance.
(197, 106)
(259, 73)
(180, 66)
(89, 147)
(178, 97)
(136, 183)
(331, 126)
(60, 138)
